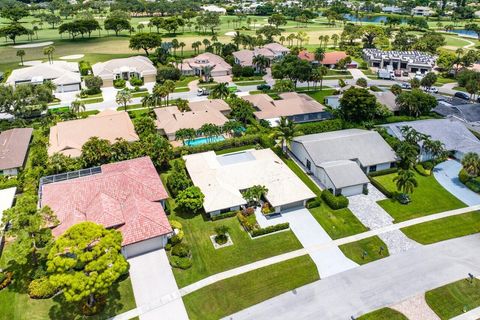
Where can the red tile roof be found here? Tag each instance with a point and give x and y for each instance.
(333, 57)
(124, 196)
(305, 55)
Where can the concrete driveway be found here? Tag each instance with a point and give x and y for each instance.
(375, 285)
(311, 234)
(154, 287)
(446, 174)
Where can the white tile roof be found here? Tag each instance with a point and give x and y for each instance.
(139, 64)
(60, 72)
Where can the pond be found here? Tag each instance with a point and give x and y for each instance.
(375, 19)
(464, 32)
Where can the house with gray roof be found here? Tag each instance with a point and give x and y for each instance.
(455, 136)
(13, 149)
(468, 113)
(341, 160)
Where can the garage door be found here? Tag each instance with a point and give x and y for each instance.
(353, 190)
(293, 205)
(142, 247)
(68, 88)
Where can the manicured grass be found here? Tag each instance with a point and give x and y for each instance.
(93, 100)
(250, 83)
(450, 300)
(234, 294)
(444, 229)
(240, 79)
(130, 107)
(460, 89)
(237, 149)
(208, 261)
(383, 314)
(140, 94)
(320, 95)
(182, 89)
(16, 304)
(337, 223)
(428, 198)
(442, 81)
(355, 250)
(183, 82)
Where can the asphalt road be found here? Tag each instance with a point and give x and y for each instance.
(375, 285)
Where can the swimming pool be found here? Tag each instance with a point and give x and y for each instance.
(203, 140)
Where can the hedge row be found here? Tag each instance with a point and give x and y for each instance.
(269, 229)
(383, 172)
(421, 170)
(334, 202)
(264, 140)
(380, 187)
(224, 215)
(313, 203)
(321, 126)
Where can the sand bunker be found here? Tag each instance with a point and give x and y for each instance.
(33, 45)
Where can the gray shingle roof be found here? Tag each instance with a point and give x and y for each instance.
(344, 173)
(351, 144)
(466, 112)
(13, 147)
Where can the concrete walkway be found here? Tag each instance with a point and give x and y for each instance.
(416, 308)
(446, 174)
(375, 285)
(310, 233)
(357, 74)
(155, 289)
(470, 315)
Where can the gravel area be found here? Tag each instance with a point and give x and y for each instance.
(415, 308)
(397, 242)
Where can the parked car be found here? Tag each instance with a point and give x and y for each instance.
(263, 87)
(406, 85)
(461, 95)
(405, 73)
(202, 92)
(431, 90)
(386, 74)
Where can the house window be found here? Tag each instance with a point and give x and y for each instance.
(225, 210)
(309, 165)
(373, 168)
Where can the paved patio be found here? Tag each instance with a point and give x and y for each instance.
(154, 287)
(446, 174)
(329, 261)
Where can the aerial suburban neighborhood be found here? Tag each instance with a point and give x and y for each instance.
(240, 159)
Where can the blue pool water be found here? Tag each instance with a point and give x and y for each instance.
(464, 32)
(203, 140)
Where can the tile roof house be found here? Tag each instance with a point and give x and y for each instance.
(125, 68)
(170, 119)
(195, 66)
(341, 159)
(455, 136)
(68, 137)
(222, 178)
(273, 51)
(13, 149)
(65, 75)
(128, 196)
(330, 59)
(297, 107)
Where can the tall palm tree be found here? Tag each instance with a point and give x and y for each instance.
(320, 72)
(182, 105)
(48, 51)
(261, 62)
(148, 101)
(237, 39)
(175, 46)
(319, 54)
(181, 45)
(434, 147)
(405, 181)
(206, 71)
(471, 163)
(185, 134)
(21, 54)
(326, 38)
(232, 126)
(285, 132)
(170, 87)
(206, 43)
(77, 106)
(335, 38)
(160, 92)
(220, 91)
(123, 98)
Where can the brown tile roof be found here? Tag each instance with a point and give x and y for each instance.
(13, 147)
(124, 196)
(333, 57)
(305, 55)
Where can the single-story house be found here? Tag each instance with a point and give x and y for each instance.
(222, 178)
(297, 107)
(386, 98)
(422, 11)
(272, 51)
(171, 119)
(68, 137)
(65, 75)
(329, 60)
(468, 113)
(341, 159)
(455, 136)
(128, 196)
(13, 150)
(195, 66)
(125, 68)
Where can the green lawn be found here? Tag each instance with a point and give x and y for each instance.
(450, 300)
(320, 95)
(140, 94)
(372, 246)
(234, 294)
(15, 303)
(208, 261)
(337, 223)
(237, 149)
(181, 89)
(383, 314)
(250, 83)
(444, 229)
(184, 81)
(428, 198)
(93, 100)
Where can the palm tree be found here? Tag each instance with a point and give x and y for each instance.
(206, 43)
(320, 38)
(232, 126)
(285, 132)
(148, 101)
(471, 163)
(206, 71)
(170, 87)
(48, 51)
(320, 73)
(181, 45)
(326, 38)
(175, 46)
(220, 91)
(140, 27)
(77, 106)
(160, 92)
(261, 62)
(123, 98)
(405, 181)
(434, 148)
(182, 105)
(319, 54)
(237, 39)
(21, 54)
(335, 38)
(185, 134)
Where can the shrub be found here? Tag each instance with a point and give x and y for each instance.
(321, 126)
(181, 263)
(119, 83)
(375, 89)
(473, 185)
(269, 229)
(314, 203)
(428, 165)
(176, 225)
(8, 182)
(244, 222)
(176, 239)
(421, 170)
(224, 215)
(7, 278)
(168, 246)
(380, 187)
(463, 176)
(334, 202)
(85, 68)
(135, 82)
(382, 172)
(41, 289)
(181, 250)
(100, 302)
